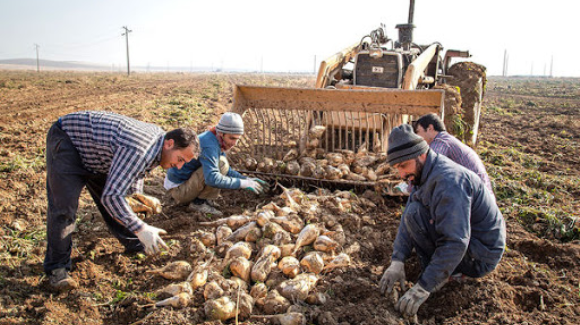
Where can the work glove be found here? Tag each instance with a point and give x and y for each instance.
(412, 300)
(265, 185)
(394, 273)
(403, 187)
(253, 184)
(149, 237)
(387, 187)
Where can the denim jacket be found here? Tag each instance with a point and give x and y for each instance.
(465, 217)
(209, 161)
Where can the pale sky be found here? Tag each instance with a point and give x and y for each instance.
(286, 36)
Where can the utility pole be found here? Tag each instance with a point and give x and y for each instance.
(551, 67)
(126, 34)
(37, 59)
(315, 65)
(507, 62)
(504, 63)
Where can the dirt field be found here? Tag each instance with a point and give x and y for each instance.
(529, 141)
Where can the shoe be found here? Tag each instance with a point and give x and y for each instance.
(458, 277)
(213, 203)
(136, 249)
(60, 280)
(204, 208)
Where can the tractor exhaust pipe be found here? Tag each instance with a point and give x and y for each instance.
(411, 11)
(406, 30)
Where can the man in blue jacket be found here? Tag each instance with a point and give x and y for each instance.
(451, 220)
(199, 182)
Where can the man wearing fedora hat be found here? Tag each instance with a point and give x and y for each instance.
(200, 181)
(451, 220)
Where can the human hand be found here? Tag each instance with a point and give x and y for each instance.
(411, 301)
(265, 185)
(403, 187)
(390, 188)
(394, 273)
(252, 185)
(149, 237)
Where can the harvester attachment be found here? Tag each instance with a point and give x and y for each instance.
(332, 138)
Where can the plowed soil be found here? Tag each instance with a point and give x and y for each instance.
(529, 140)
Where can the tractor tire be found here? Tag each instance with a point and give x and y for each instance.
(471, 79)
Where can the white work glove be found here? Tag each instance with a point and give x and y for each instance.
(403, 187)
(149, 237)
(412, 300)
(253, 184)
(394, 273)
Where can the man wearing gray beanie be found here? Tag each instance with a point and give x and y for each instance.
(200, 181)
(451, 220)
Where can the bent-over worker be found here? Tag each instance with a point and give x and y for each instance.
(110, 155)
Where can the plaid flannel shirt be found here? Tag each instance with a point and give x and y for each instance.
(122, 148)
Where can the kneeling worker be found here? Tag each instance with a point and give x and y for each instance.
(451, 220)
(199, 182)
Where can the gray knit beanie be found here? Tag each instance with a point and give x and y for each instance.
(230, 123)
(404, 145)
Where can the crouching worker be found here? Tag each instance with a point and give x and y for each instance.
(109, 154)
(451, 220)
(200, 181)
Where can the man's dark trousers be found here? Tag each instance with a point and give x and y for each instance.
(65, 178)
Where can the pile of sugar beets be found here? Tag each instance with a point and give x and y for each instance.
(366, 164)
(262, 265)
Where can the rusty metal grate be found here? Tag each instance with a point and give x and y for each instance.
(277, 120)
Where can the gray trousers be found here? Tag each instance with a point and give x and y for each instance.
(424, 238)
(65, 178)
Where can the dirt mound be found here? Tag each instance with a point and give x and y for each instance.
(471, 79)
(467, 75)
(453, 112)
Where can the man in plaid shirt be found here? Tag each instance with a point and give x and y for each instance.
(431, 128)
(109, 154)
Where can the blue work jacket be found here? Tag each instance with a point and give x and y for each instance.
(209, 160)
(465, 217)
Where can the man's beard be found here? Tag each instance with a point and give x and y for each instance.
(417, 174)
